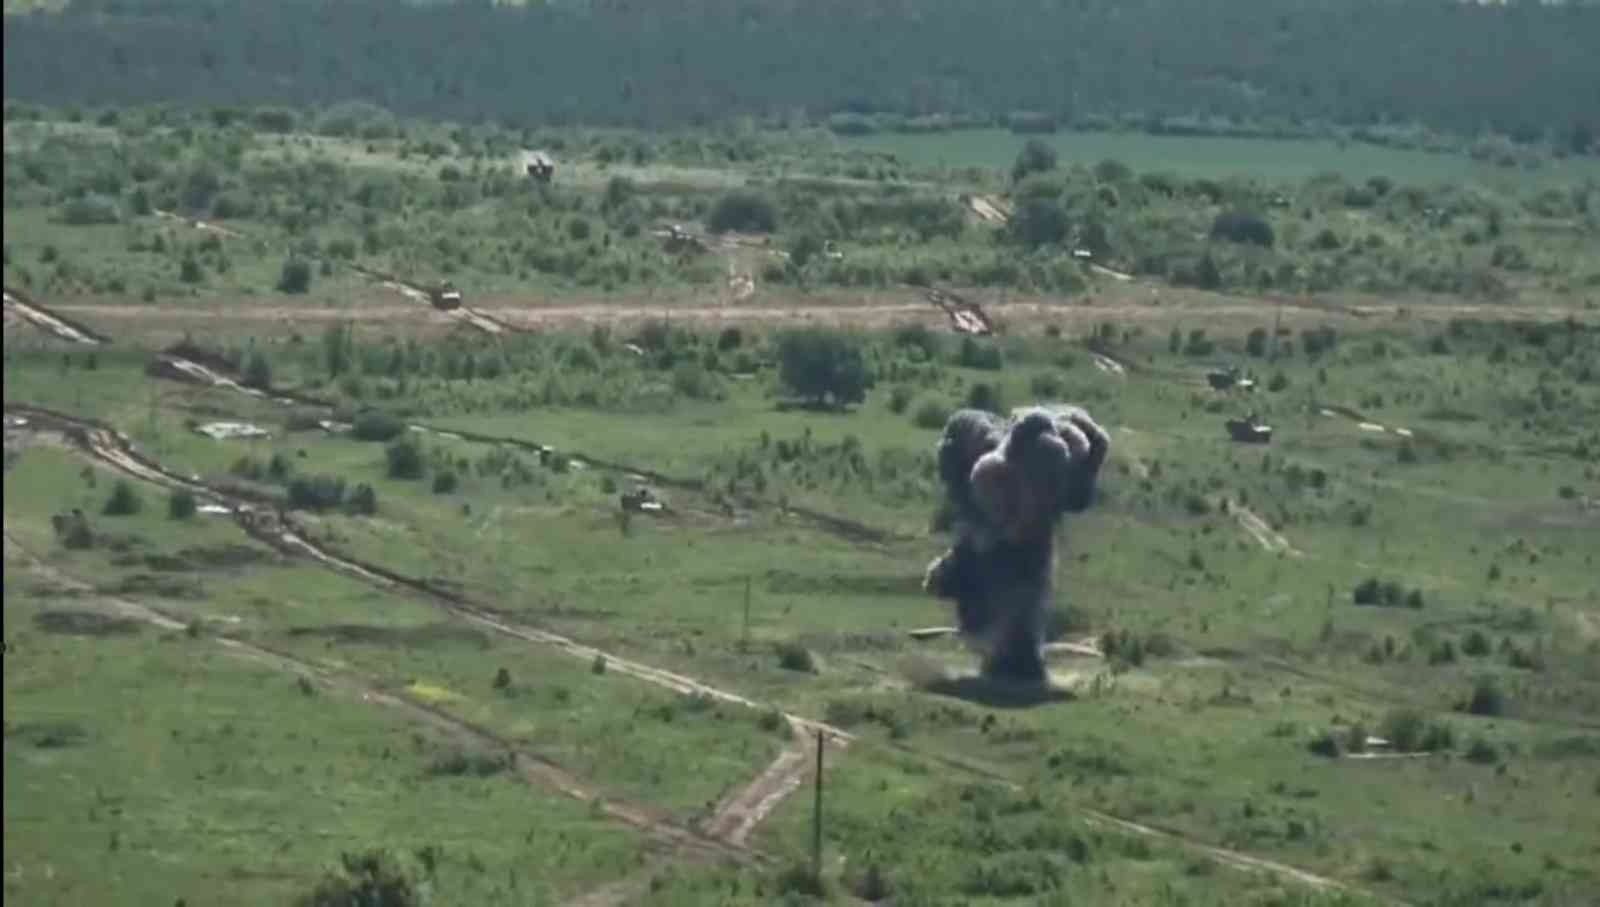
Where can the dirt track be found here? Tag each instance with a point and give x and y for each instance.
(1263, 533)
(739, 813)
(863, 313)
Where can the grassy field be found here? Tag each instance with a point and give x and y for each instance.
(96, 209)
(1247, 656)
(145, 767)
(1277, 160)
(197, 703)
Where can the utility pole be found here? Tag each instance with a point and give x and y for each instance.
(744, 644)
(816, 820)
(1277, 324)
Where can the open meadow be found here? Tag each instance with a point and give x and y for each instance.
(315, 588)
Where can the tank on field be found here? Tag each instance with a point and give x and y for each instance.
(1230, 377)
(445, 296)
(1250, 430)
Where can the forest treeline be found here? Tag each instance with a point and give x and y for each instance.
(1525, 70)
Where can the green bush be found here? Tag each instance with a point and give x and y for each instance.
(794, 657)
(1482, 752)
(181, 504)
(372, 879)
(931, 414)
(1476, 644)
(900, 397)
(1038, 222)
(124, 500)
(1327, 744)
(1035, 157)
(404, 458)
(1486, 698)
(295, 277)
(691, 380)
(1256, 343)
(89, 211)
(1047, 385)
(823, 364)
(1404, 729)
(364, 500)
(377, 425)
(257, 372)
(1368, 592)
(316, 492)
(985, 396)
(1243, 227)
(978, 355)
(745, 211)
(445, 482)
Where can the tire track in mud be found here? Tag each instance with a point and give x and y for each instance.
(742, 810)
(532, 768)
(110, 447)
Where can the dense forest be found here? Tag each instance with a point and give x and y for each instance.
(1524, 69)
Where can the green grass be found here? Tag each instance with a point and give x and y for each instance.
(630, 738)
(176, 771)
(429, 208)
(1271, 159)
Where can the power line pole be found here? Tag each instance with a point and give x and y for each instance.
(816, 820)
(744, 643)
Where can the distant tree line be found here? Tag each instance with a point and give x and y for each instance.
(1523, 69)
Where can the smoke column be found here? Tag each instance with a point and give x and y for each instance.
(1009, 485)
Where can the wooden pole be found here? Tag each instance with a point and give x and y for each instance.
(816, 820)
(745, 642)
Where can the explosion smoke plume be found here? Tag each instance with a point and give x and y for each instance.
(1008, 486)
